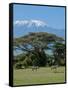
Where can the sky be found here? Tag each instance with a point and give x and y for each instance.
(53, 16)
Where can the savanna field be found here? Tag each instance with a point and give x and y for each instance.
(43, 75)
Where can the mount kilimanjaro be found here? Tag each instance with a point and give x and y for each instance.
(23, 27)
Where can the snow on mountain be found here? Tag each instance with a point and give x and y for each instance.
(22, 27)
(29, 23)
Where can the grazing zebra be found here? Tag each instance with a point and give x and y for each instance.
(23, 67)
(34, 68)
(54, 67)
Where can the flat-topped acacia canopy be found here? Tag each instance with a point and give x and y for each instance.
(39, 39)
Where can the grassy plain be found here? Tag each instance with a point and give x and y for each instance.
(44, 75)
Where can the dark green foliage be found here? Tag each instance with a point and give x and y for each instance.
(34, 45)
(59, 53)
(18, 66)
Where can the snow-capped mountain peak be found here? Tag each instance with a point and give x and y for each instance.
(29, 23)
(23, 27)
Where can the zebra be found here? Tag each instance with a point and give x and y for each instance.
(54, 67)
(23, 67)
(34, 68)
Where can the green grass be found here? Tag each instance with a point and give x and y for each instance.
(41, 76)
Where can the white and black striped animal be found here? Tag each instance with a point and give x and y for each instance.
(54, 67)
(34, 68)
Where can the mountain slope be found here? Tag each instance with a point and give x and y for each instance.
(24, 27)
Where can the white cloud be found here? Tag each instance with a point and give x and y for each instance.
(38, 22)
(21, 22)
(29, 23)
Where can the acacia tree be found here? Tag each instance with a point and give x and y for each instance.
(59, 52)
(36, 44)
